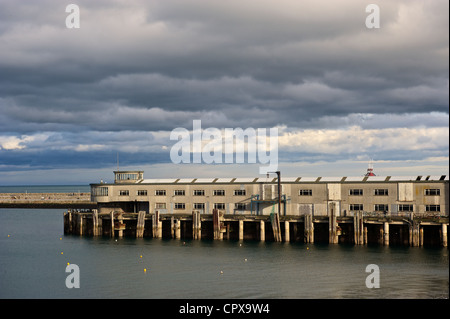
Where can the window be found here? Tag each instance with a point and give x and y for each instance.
(142, 193)
(219, 192)
(356, 207)
(432, 208)
(305, 192)
(219, 205)
(124, 193)
(356, 192)
(432, 192)
(381, 207)
(239, 206)
(381, 192)
(179, 206)
(239, 192)
(160, 205)
(100, 191)
(199, 206)
(179, 192)
(160, 192)
(405, 208)
(199, 192)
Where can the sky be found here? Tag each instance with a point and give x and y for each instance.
(75, 100)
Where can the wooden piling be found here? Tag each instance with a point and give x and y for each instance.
(309, 228)
(241, 229)
(414, 231)
(95, 222)
(420, 236)
(365, 235)
(386, 234)
(157, 225)
(177, 228)
(332, 226)
(275, 220)
(196, 225)
(444, 235)
(262, 230)
(140, 224)
(80, 224)
(286, 232)
(217, 225)
(120, 225)
(112, 223)
(360, 231)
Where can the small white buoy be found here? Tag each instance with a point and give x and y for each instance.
(221, 272)
(245, 259)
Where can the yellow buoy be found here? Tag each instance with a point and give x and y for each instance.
(8, 235)
(62, 253)
(68, 264)
(145, 269)
(140, 256)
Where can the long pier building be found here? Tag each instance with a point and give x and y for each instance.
(408, 210)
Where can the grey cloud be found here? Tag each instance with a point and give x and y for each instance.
(147, 66)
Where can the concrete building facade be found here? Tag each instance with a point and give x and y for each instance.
(390, 195)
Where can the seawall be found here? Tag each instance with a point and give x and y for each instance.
(47, 200)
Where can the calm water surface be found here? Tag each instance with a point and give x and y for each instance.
(32, 266)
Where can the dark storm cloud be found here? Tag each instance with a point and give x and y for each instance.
(149, 66)
(287, 60)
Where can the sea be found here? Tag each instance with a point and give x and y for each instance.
(37, 261)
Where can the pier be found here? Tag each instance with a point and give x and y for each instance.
(47, 200)
(359, 229)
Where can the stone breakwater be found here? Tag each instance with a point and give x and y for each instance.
(46, 200)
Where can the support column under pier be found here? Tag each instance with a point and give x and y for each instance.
(196, 225)
(157, 226)
(444, 235)
(360, 231)
(332, 226)
(262, 230)
(241, 229)
(286, 232)
(309, 229)
(386, 234)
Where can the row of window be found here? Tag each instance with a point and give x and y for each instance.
(377, 192)
(401, 208)
(200, 206)
(181, 192)
(103, 191)
(353, 207)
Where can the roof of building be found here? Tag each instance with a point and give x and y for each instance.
(326, 179)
